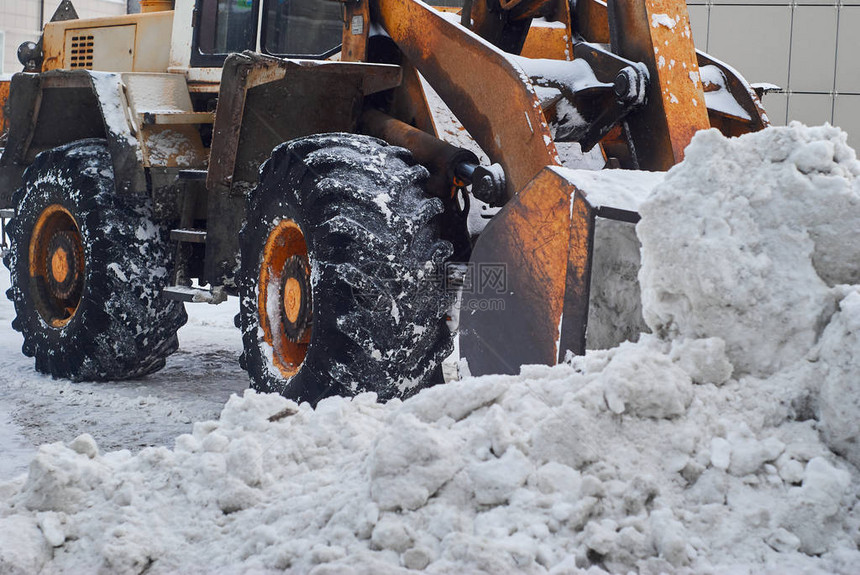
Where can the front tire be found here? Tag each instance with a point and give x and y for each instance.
(340, 289)
(87, 269)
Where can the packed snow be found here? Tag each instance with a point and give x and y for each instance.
(723, 442)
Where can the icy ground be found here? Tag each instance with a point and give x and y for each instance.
(198, 379)
(725, 442)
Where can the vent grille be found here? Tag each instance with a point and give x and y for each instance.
(82, 52)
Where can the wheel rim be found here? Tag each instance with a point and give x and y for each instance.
(284, 297)
(56, 265)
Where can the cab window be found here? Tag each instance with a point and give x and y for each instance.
(226, 26)
(307, 28)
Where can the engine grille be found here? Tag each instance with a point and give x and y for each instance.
(82, 52)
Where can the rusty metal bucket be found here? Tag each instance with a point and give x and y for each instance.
(555, 271)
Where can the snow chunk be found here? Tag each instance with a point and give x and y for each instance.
(52, 527)
(646, 384)
(495, 480)
(748, 454)
(704, 360)
(721, 453)
(391, 533)
(813, 515)
(663, 20)
(669, 537)
(839, 402)
(409, 464)
(85, 445)
(23, 548)
(454, 400)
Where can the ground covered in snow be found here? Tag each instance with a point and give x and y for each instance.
(724, 442)
(133, 414)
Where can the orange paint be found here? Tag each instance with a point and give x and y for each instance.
(56, 260)
(60, 265)
(285, 241)
(292, 299)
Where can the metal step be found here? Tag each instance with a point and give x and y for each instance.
(192, 174)
(188, 235)
(7, 213)
(195, 295)
(177, 117)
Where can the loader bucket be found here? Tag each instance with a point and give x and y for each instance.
(531, 277)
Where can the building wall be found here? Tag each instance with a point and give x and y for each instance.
(19, 22)
(809, 48)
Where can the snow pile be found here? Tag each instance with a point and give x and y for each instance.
(746, 240)
(619, 461)
(687, 452)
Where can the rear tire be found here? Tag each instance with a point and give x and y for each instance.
(89, 302)
(376, 309)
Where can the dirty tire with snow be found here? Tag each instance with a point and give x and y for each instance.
(117, 323)
(372, 256)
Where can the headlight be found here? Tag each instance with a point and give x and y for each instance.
(29, 54)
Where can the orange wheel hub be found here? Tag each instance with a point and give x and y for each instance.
(284, 296)
(57, 265)
(292, 299)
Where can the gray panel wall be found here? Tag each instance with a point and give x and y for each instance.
(811, 49)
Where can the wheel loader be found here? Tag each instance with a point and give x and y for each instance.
(285, 152)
